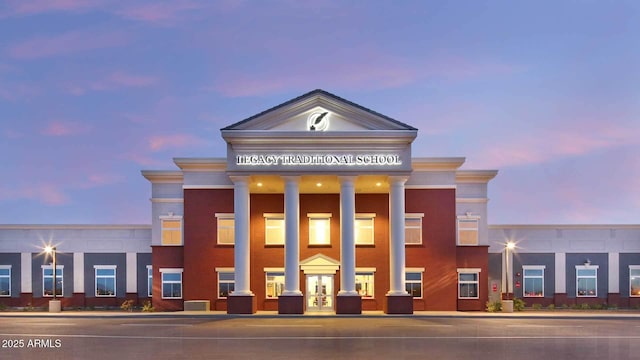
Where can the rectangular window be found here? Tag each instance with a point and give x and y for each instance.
(364, 229)
(319, 229)
(533, 279)
(364, 284)
(467, 231)
(47, 280)
(5, 280)
(171, 283)
(634, 280)
(587, 281)
(105, 281)
(171, 231)
(226, 229)
(413, 229)
(413, 283)
(468, 283)
(274, 229)
(226, 283)
(275, 284)
(149, 280)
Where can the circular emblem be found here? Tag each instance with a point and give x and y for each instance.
(318, 121)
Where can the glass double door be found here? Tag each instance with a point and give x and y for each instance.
(319, 293)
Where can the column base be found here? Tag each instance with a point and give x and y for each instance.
(55, 306)
(242, 304)
(507, 306)
(398, 304)
(348, 304)
(293, 304)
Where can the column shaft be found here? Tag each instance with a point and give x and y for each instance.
(241, 253)
(292, 236)
(347, 236)
(396, 234)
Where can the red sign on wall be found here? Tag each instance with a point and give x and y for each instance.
(517, 284)
(494, 287)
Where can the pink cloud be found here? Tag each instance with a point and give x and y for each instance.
(67, 43)
(64, 128)
(97, 180)
(162, 142)
(142, 159)
(113, 81)
(48, 194)
(30, 7)
(161, 13)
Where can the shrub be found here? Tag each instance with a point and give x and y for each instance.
(551, 307)
(613, 307)
(127, 305)
(597, 306)
(536, 306)
(564, 306)
(518, 304)
(495, 306)
(147, 306)
(584, 306)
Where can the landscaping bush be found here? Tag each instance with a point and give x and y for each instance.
(495, 306)
(518, 304)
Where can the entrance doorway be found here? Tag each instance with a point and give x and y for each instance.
(320, 293)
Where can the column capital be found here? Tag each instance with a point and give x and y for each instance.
(239, 179)
(393, 179)
(347, 179)
(290, 179)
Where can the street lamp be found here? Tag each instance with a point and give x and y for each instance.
(510, 246)
(52, 250)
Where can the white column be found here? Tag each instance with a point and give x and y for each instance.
(26, 273)
(561, 272)
(347, 236)
(78, 273)
(291, 236)
(396, 236)
(241, 253)
(132, 273)
(614, 273)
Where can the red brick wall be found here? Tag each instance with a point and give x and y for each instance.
(474, 257)
(165, 257)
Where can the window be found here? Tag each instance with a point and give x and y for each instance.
(105, 281)
(364, 229)
(413, 282)
(533, 281)
(47, 280)
(413, 229)
(149, 280)
(171, 283)
(5, 280)
(274, 229)
(275, 284)
(364, 283)
(587, 281)
(319, 229)
(226, 229)
(226, 282)
(467, 230)
(171, 230)
(634, 280)
(468, 283)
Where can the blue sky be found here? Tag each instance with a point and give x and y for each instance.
(93, 91)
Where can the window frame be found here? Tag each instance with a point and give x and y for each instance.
(149, 280)
(314, 217)
(359, 218)
(53, 278)
(168, 218)
(468, 218)
(277, 285)
(281, 224)
(421, 281)
(225, 281)
(371, 272)
(96, 277)
(8, 277)
(222, 217)
(164, 282)
(595, 277)
(476, 282)
(525, 277)
(413, 216)
(637, 268)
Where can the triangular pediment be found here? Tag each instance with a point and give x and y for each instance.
(319, 260)
(318, 110)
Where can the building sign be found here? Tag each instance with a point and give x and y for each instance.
(319, 160)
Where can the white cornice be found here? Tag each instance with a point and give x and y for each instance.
(472, 200)
(167, 200)
(263, 137)
(163, 176)
(475, 176)
(437, 163)
(201, 164)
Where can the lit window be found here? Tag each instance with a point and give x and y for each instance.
(364, 284)
(47, 280)
(171, 283)
(468, 283)
(171, 230)
(413, 229)
(467, 230)
(413, 283)
(274, 229)
(149, 280)
(364, 229)
(319, 229)
(587, 281)
(5, 280)
(105, 281)
(533, 281)
(226, 283)
(226, 229)
(634, 280)
(275, 284)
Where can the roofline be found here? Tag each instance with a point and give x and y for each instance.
(74, 226)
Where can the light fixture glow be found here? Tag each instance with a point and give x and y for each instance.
(318, 184)
(259, 184)
(511, 245)
(378, 184)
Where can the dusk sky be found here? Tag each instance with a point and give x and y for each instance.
(93, 91)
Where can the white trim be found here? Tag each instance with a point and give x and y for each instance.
(365, 269)
(472, 200)
(225, 215)
(560, 273)
(51, 266)
(534, 267)
(162, 282)
(225, 269)
(524, 279)
(166, 200)
(114, 267)
(171, 270)
(587, 267)
(632, 267)
(207, 187)
(268, 269)
(96, 276)
(319, 215)
(131, 273)
(78, 272)
(365, 215)
(149, 268)
(266, 282)
(413, 216)
(428, 187)
(171, 217)
(474, 271)
(7, 267)
(273, 215)
(413, 269)
(468, 270)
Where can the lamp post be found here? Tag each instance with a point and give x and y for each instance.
(54, 305)
(507, 304)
